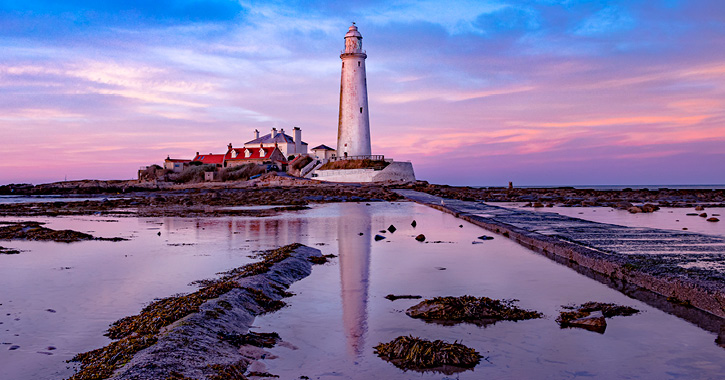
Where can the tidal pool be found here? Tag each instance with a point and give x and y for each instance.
(65, 296)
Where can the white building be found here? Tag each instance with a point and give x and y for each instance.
(353, 126)
(288, 145)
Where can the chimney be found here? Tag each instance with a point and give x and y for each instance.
(298, 140)
(274, 132)
(229, 147)
(281, 131)
(256, 134)
(197, 154)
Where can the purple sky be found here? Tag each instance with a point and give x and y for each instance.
(537, 92)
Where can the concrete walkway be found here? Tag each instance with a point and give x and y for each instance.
(686, 267)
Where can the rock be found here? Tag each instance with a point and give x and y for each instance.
(623, 205)
(648, 207)
(361, 234)
(713, 219)
(414, 224)
(476, 242)
(379, 237)
(699, 208)
(485, 237)
(392, 228)
(538, 204)
(703, 215)
(420, 237)
(634, 210)
(394, 297)
(594, 321)
(691, 214)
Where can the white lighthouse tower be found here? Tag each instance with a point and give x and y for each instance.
(353, 127)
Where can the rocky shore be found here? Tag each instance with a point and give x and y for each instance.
(646, 200)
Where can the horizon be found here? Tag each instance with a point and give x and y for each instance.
(474, 93)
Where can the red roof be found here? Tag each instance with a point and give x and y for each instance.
(210, 158)
(255, 153)
(176, 160)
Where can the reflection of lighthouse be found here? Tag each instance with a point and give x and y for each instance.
(354, 251)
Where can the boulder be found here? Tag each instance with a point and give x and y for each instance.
(379, 237)
(699, 208)
(634, 210)
(392, 228)
(414, 224)
(713, 219)
(420, 237)
(594, 321)
(703, 215)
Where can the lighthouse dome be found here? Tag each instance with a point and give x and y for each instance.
(352, 32)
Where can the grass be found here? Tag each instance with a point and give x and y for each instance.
(412, 353)
(192, 174)
(470, 309)
(137, 332)
(242, 172)
(354, 164)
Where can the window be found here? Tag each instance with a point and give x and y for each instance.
(247, 153)
(343, 64)
(360, 109)
(358, 63)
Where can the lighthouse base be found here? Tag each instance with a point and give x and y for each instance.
(397, 171)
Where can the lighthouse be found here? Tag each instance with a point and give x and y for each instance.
(353, 126)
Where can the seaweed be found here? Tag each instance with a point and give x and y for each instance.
(233, 371)
(413, 353)
(472, 309)
(267, 340)
(322, 259)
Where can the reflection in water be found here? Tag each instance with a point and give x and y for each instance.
(354, 251)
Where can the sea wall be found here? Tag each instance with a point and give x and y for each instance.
(705, 294)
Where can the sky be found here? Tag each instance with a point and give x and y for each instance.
(537, 92)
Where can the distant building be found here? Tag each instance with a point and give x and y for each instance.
(323, 152)
(257, 155)
(210, 159)
(175, 164)
(288, 145)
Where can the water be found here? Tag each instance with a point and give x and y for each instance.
(338, 313)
